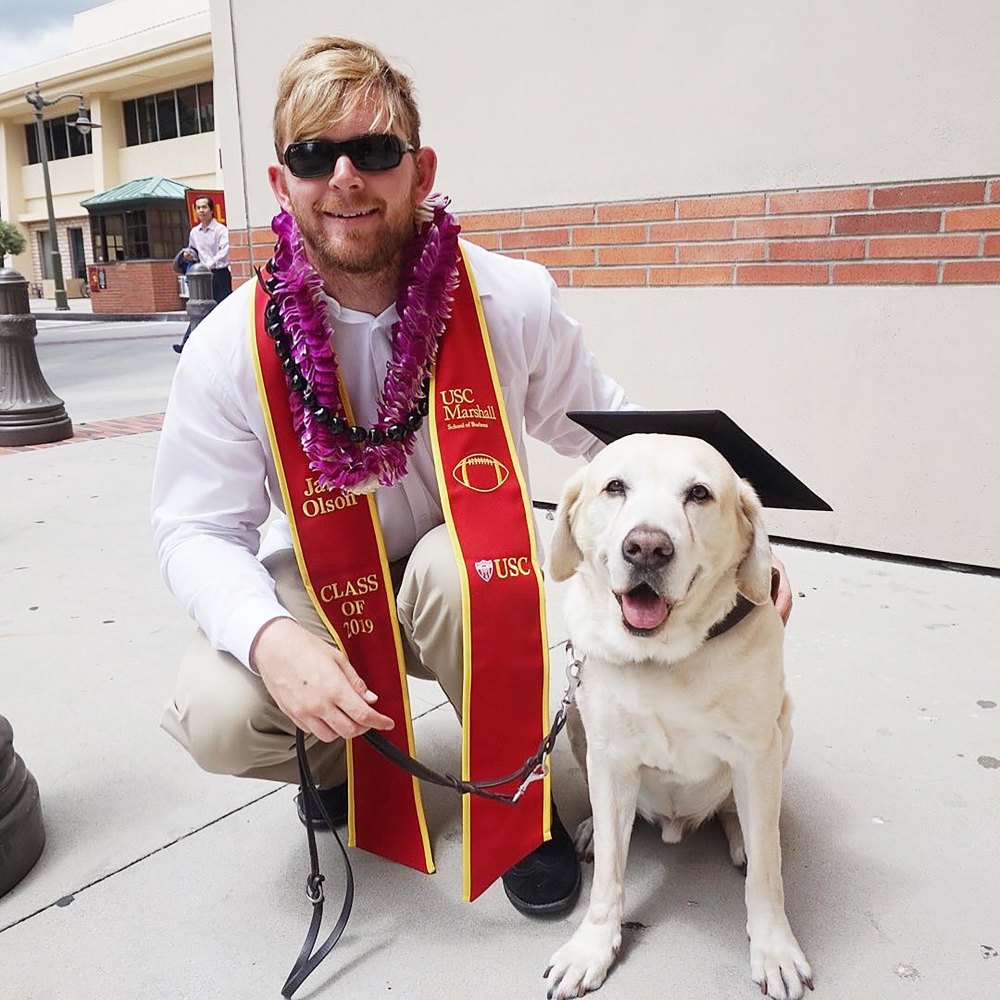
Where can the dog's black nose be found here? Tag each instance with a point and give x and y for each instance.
(647, 548)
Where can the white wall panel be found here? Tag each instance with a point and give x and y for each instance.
(882, 400)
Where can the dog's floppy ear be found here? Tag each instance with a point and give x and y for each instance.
(566, 554)
(753, 575)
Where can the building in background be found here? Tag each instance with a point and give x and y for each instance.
(788, 211)
(146, 73)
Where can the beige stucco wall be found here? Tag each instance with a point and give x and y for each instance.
(126, 18)
(878, 398)
(71, 179)
(184, 159)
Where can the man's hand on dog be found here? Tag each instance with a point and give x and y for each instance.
(781, 589)
(313, 683)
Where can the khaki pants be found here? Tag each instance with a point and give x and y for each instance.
(224, 717)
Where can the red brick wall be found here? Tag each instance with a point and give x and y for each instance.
(138, 286)
(919, 232)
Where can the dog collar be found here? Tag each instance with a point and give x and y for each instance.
(740, 610)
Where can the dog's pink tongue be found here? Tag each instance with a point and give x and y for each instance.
(644, 608)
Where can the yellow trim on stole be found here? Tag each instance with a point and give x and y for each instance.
(530, 522)
(466, 639)
(463, 576)
(303, 573)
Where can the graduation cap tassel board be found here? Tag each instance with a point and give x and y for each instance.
(775, 485)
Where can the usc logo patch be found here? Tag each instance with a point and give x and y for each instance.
(482, 473)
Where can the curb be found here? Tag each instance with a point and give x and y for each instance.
(81, 317)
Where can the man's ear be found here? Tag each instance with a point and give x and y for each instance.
(753, 575)
(425, 160)
(276, 178)
(566, 554)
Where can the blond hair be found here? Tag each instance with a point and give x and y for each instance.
(327, 79)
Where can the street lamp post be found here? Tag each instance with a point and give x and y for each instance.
(83, 125)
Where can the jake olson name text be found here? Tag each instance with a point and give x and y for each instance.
(319, 499)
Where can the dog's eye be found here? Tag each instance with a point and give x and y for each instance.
(615, 488)
(699, 493)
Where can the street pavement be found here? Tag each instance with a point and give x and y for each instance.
(161, 881)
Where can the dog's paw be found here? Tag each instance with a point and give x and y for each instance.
(582, 963)
(777, 964)
(583, 840)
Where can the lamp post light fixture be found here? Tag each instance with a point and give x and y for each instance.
(83, 125)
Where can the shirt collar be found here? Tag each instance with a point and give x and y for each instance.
(355, 317)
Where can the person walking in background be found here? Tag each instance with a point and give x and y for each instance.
(208, 244)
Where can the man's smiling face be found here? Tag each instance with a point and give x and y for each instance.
(355, 221)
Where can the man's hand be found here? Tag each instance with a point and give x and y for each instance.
(781, 589)
(313, 683)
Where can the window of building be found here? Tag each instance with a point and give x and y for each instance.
(187, 109)
(166, 114)
(142, 233)
(168, 232)
(77, 260)
(206, 106)
(45, 253)
(62, 139)
(169, 114)
(146, 109)
(108, 235)
(136, 236)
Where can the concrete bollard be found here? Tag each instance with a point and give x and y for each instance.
(30, 412)
(22, 833)
(200, 301)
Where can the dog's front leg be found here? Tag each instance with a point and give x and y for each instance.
(777, 964)
(582, 964)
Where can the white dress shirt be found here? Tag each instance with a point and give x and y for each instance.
(214, 482)
(211, 244)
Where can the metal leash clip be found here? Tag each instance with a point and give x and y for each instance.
(542, 768)
(539, 772)
(574, 666)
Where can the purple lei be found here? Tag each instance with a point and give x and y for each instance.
(428, 279)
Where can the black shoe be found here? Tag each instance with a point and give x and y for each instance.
(546, 882)
(335, 800)
(177, 348)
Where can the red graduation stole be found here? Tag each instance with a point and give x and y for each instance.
(341, 556)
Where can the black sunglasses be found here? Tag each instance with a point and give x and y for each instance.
(318, 157)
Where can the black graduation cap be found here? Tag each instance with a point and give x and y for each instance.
(775, 485)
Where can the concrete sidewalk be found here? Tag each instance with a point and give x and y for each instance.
(82, 310)
(161, 881)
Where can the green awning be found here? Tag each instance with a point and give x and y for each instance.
(143, 189)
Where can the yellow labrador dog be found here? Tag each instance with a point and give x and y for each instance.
(682, 697)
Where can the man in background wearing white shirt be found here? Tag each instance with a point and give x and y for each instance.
(209, 245)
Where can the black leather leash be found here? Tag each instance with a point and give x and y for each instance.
(307, 961)
(533, 769)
